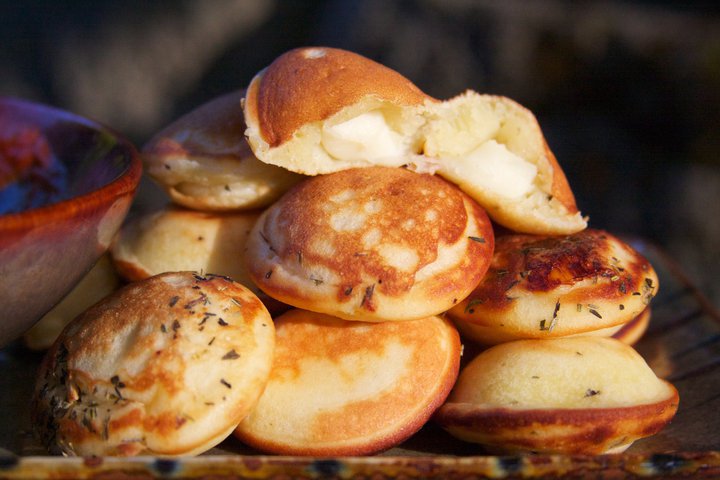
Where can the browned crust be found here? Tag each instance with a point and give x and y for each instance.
(215, 129)
(305, 216)
(581, 266)
(568, 431)
(549, 262)
(405, 196)
(632, 331)
(560, 189)
(371, 445)
(280, 101)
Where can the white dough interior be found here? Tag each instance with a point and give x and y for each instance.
(478, 159)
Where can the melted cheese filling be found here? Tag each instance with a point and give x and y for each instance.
(365, 137)
(494, 168)
(491, 167)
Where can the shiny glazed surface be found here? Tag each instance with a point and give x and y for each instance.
(44, 251)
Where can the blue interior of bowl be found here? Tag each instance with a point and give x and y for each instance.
(85, 156)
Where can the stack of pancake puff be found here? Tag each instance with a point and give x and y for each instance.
(360, 222)
(386, 249)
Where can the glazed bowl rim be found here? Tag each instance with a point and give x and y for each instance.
(124, 183)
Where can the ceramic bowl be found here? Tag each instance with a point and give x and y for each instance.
(66, 184)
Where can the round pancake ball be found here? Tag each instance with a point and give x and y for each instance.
(582, 395)
(371, 244)
(202, 160)
(175, 239)
(555, 286)
(351, 388)
(167, 366)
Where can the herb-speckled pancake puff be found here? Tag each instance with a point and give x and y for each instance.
(351, 388)
(166, 366)
(545, 287)
(371, 244)
(582, 395)
(203, 161)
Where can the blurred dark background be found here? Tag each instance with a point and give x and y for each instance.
(627, 92)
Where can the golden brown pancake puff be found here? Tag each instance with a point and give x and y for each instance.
(286, 95)
(203, 161)
(543, 287)
(351, 388)
(371, 244)
(175, 239)
(583, 395)
(166, 366)
(320, 110)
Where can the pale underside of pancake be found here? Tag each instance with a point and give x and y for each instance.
(321, 110)
(167, 366)
(351, 388)
(543, 287)
(584, 395)
(371, 244)
(203, 161)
